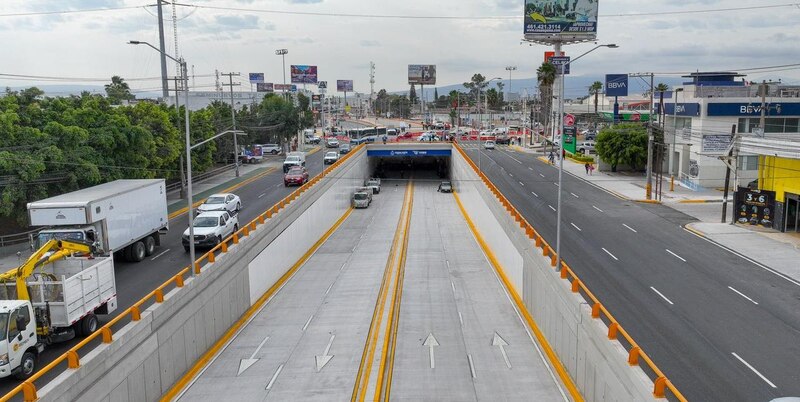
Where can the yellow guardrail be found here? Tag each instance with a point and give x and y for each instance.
(134, 313)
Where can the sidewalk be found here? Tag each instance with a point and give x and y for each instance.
(778, 251)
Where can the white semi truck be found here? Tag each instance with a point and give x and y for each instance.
(53, 297)
(122, 216)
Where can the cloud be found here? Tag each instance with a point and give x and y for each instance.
(304, 1)
(237, 22)
(370, 43)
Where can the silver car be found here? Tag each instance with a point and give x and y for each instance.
(361, 199)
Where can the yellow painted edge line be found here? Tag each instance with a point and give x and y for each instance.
(648, 201)
(227, 190)
(695, 231)
(211, 352)
(552, 356)
(313, 151)
(697, 201)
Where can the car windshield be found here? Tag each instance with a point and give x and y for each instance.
(360, 196)
(295, 171)
(293, 158)
(44, 237)
(445, 184)
(215, 200)
(373, 182)
(331, 154)
(206, 221)
(3, 325)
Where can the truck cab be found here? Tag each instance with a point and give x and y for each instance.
(85, 234)
(19, 345)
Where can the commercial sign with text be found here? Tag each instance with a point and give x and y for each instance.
(561, 63)
(753, 109)
(264, 87)
(715, 143)
(424, 74)
(616, 84)
(302, 74)
(344, 85)
(755, 206)
(256, 78)
(548, 18)
(285, 87)
(683, 109)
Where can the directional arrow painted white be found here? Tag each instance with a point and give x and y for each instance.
(497, 340)
(245, 364)
(430, 342)
(325, 358)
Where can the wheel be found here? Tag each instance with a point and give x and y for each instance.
(89, 324)
(27, 366)
(186, 249)
(138, 252)
(286, 184)
(235, 227)
(149, 245)
(126, 252)
(219, 239)
(274, 152)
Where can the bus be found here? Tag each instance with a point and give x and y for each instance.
(366, 134)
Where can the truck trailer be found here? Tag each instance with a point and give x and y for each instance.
(125, 217)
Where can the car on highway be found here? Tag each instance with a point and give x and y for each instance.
(332, 143)
(272, 149)
(221, 202)
(445, 187)
(361, 199)
(586, 147)
(331, 157)
(294, 159)
(374, 185)
(297, 175)
(428, 136)
(210, 228)
(344, 148)
(488, 144)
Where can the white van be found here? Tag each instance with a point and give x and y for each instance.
(294, 159)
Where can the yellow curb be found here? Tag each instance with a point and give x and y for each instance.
(227, 190)
(648, 201)
(695, 231)
(313, 151)
(697, 201)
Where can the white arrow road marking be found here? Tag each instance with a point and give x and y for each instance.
(497, 340)
(245, 364)
(430, 342)
(325, 358)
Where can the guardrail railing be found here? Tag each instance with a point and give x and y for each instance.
(636, 356)
(104, 335)
(17, 238)
(201, 176)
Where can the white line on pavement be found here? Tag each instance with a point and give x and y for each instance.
(521, 183)
(308, 322)
(662, 296)
(342, 266)
(541, 175)
(534, 194)
(609, 253)
(453, 285)
(743, 295)
(279, 184)
(600, 210)
(676, 256)
(551, 207)
(274, 377)
(630, 228)
(530, 168)
(263, 194)
(471, 366)
(754, 370)
(160, 254)
(555, 184)
(576, 227)
(329, 289)
(511, 175)
(460, 318)
(575, 195)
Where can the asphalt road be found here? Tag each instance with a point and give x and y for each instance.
(720, 327)
(135, 280)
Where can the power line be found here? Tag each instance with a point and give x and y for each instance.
(87, 10)
(80, 79)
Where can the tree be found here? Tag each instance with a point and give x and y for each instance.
(118, 90)
(660, 89)
(492, 98)
(436, 94)
(623, 144)
(595, 89)
(475, 86)
(412, 94)
(500, 96)
(546, 76)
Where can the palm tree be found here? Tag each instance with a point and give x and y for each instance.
(546, 76)
(594, 89)
(661, 88)
(118, 90)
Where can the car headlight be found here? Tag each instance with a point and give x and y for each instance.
(3, 359)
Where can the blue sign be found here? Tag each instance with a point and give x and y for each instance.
(616, 85)
(753, 109)
(560, 63)
(408, 152)
(684, 109)
(256, 78)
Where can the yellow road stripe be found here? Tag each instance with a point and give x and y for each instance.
(227, 190)
(551, 355)
(211, 352)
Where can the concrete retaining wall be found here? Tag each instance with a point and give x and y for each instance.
(597, 365)
(148, 356)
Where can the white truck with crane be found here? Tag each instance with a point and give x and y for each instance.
(123, 216)
(53, 297)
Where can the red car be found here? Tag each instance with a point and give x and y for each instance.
(296, 175)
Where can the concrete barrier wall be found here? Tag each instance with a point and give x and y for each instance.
(148, 356)
(598, 366)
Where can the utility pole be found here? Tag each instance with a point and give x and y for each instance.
(674, 139)
(372, 88)
(731, 161)
(231, 84)
(178, 110)
(164, 80)
(763, 88)
(650, 140)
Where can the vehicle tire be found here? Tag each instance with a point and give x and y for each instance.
(286, 184)
(219, 239)
(274, 152)
(149, 245)
(126, 252)
(186, 249)
(89, 324)
(138, 252)
(27, 366)
(235, 227)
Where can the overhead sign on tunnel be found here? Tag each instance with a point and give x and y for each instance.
(409, 152)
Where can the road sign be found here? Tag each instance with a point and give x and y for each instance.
(569, 120)
(322, 84)
(559, 62)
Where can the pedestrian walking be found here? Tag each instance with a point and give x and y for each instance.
(586, 166)
(551, 158)
(591, 169)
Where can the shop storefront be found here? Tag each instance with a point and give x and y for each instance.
(782, 177)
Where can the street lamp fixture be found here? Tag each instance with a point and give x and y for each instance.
(283, 53)
(185, 78)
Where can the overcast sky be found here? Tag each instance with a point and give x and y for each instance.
(92, 44)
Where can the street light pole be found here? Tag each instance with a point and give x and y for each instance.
(190, 196)
(561, 147)
(282, 53)
(674, 138)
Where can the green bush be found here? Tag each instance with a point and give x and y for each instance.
(623, 144)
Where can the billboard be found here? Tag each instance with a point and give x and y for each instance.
(302, 74)
(264, 87)
(755, 206)
(285, 87)
(424, 74)
(256, 78)
(344, 85)
(561, 63)
(616, 85)
(572, 18)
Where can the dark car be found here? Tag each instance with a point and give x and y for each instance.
(344, 148)
(445, 187)
(296, 175)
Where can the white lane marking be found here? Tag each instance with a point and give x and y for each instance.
(329, 289)
(342, 266)
(662, 295)
(471, 366)
(279, 184)
(453, 285)
(551, 207)
(274, 377)
(521, 183)
(160, 254)
(743, 295)
(511, 175)
(555, 184)
(308, 322)
(630, 228)
(530, 168)
(461, 318)
(575, 195)
(598, 209)
(609, 253)
(676, 256)
(541, 175)
(263, 194)
(534, 194)
(754, 370)
(576, 227)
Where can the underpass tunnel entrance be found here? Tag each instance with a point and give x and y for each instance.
(403, 164)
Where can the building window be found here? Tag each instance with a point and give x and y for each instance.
(771, 125)
(792, 126)
(748, 162)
